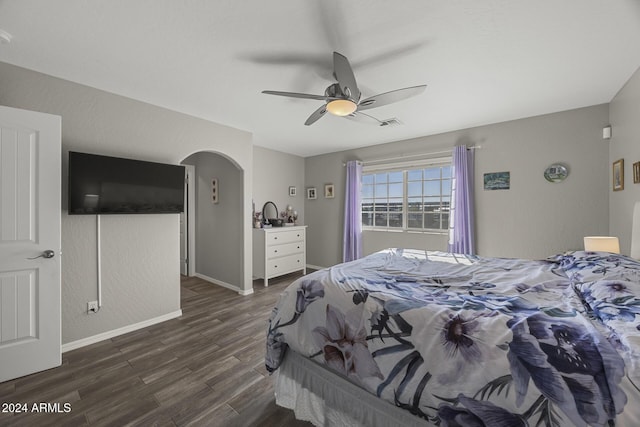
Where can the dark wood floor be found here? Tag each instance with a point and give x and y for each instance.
(204, 368)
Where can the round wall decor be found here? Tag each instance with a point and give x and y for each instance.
(557, 172)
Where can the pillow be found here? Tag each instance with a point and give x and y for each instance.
(582, 266)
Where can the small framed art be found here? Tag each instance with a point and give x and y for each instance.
(618, 175)
(328, 191)
(214, 190)
(497, 181)
(311, 193)
(636, 173)
(292, 191)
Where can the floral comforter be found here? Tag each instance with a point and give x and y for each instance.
(470, 341)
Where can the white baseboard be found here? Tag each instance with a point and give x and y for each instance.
(315, 267)
(120, 331)
(242, 292)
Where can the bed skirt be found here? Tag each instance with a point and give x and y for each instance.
(325, 399)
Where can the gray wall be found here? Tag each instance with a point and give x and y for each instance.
(273, 173)
(140, 253)
(533, 219)
(624, 144)
(218, 225)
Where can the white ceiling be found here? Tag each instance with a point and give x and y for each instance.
(483, 61)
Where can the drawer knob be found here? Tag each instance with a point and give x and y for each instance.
(275, 238)
(275, 266)
(275, 250)
(298, 247)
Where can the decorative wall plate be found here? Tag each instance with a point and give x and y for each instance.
(557, 172)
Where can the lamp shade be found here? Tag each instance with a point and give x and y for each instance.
(602, 244)
(341, 107)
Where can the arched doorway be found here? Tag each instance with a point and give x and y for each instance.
(213, 226)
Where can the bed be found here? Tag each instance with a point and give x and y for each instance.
(411, 337)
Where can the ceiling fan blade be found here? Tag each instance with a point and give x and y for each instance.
(316, 115)
(297, 95)
(363, 118)
(344, 75)
(333, 22)
(389, 55)
(390, 97)
(288, 58)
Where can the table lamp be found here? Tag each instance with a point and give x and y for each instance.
(602, 244)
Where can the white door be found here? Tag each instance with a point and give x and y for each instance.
(30, 210)
(184, 248)
(183, 244)
(187, 225)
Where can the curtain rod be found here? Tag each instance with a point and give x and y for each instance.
(409, 156)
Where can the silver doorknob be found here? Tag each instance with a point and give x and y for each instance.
(46, 254)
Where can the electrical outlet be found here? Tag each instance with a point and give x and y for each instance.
(92, 307)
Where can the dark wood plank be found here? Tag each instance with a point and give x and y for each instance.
(204, 368)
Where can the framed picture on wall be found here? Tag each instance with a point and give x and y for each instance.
(311, 193)
(636, 173)
(497, 181)
(618, 175)
(292, 191)
(329, 191)
(214, 190)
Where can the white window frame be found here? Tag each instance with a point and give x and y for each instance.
(404, 167)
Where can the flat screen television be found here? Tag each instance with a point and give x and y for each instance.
(113, 185)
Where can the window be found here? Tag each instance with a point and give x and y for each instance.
(407, 198)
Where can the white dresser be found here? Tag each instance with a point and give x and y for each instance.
(278, 251)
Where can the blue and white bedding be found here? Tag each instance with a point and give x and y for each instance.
(469, 341)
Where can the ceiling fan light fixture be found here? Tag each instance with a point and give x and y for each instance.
(341, 107)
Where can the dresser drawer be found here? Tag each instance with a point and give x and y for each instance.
(285, 264)
(276, 251)
(285, 237)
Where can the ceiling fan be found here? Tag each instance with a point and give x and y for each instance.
(343, 98)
